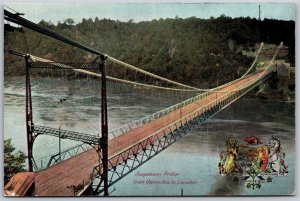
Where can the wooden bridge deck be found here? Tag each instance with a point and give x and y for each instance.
(58, 179)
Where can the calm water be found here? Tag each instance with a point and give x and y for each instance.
(192, 162)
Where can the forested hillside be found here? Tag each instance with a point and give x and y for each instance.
(193, 51)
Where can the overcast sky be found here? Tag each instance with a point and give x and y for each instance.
(55, 12)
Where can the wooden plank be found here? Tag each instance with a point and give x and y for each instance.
(57, 180)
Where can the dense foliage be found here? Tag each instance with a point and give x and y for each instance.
(194, 51)
(13, 161)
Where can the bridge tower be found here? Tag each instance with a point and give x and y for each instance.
(103, 145)
(29, 122)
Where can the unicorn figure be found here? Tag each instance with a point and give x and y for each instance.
(276, 156)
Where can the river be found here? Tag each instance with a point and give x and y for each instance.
(189, 166)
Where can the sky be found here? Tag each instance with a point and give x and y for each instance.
(55, 12)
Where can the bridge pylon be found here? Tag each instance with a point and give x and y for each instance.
(100, 143)
(29, 117)
(103, 145)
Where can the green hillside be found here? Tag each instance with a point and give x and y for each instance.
(194, 51)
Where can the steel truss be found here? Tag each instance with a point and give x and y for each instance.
(65, 134)
(121, 164)
(66, 154)
(127, 161)
(69, 65)
(100, 144)
(34, 130)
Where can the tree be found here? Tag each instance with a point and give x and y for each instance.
(70, 21)
(43, 23)
(13, 162)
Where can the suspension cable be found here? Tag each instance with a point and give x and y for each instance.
(38, 28)
(136, 84)
(26, 23)
(260, 48)
(148, 73)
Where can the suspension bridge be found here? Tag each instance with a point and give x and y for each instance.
(104, 159)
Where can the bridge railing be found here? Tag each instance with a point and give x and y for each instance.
(131, 157)
(73, 151)
(128, 127)
(225, 99)
(149, 146)
(48, 161)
